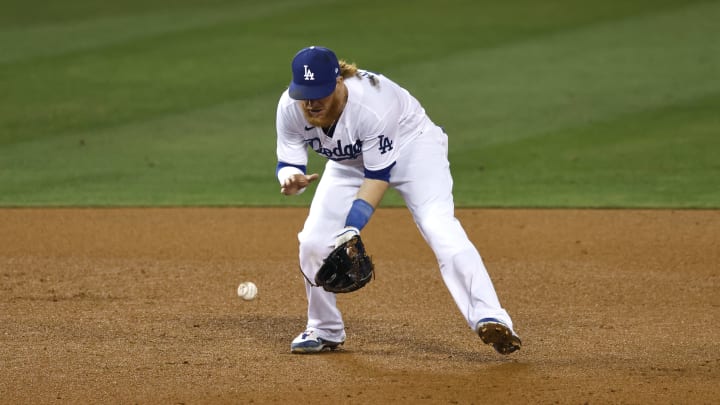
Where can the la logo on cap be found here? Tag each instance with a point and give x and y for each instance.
(314, 73)
(309, 75)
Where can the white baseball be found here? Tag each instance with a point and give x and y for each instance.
(247, 290)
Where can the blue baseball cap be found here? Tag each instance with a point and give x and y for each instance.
(315, 70)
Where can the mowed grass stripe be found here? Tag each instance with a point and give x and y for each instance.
(50, 38)
(574, 78)
(664, 157)
(137, 79)
(223, 154)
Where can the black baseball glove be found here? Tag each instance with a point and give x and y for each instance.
(348, 268)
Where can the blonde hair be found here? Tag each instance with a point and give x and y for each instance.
(348, 70)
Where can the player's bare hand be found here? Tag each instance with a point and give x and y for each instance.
(297, 182)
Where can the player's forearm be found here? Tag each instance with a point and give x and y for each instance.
(372, 191)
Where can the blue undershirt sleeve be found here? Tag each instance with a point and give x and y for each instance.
(382, 174)
(280, 165)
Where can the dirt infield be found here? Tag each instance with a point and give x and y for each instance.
(139, 306)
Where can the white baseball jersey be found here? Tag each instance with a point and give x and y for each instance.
(372, 129)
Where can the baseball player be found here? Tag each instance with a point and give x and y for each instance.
(375, 135)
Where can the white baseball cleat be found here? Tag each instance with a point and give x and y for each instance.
(310, 342)
(495, 333)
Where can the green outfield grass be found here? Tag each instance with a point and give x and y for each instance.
(547, 104)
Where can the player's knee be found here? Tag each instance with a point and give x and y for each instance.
(438, 227)
(314, 247)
